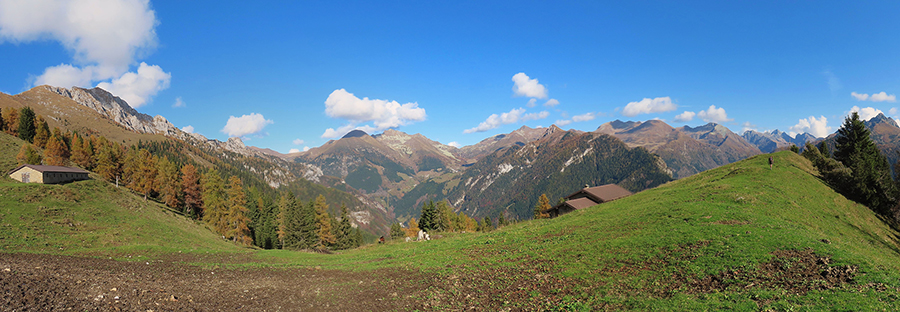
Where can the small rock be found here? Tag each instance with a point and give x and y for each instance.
(113, 289)
(6, 270)
(173, 298)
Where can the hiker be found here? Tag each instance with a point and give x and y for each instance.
(771, 162)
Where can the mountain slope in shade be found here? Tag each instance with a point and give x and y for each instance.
(510, 180)
(685, 150)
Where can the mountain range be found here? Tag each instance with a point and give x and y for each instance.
(386, 177)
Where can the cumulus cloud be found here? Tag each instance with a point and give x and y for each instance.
(749, 126)
(713, 114)
(382, 113)
(563, 122)
(551, 103)
(584, 117)
(532, 102)
(817, 127)
(293, 150)
(188, 129)
(245, 125)
(525, 86)
(305, 148)
(332, 133)
(455, 144)
(493, 121)
(647, 106)
(104, 37)
(865, 113)
(138, 88)
(877, 97)
(297, 141)
(685, 117)
(178, 102)
(883, 97)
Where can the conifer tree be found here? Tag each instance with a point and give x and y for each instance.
(56, 152)
(214, 206)
(445, 217)
(11, 118)
(108, 160)
(283, 210)
(2, 122)
(487, 224)
(41, 132)
(871, 182)
(26, 124)
(82, 151)
(397, 231)
(190, 186)
(28, 154)
(501, 221)
(540, 210)
(168, 183)
(143, 172)
(357, 238)
(323, 222)
(427, 219)
(236, 215)
(344, 232)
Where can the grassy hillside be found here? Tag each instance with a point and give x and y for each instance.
(91, 217)
(739, 236)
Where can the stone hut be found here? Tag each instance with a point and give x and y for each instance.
(587, 197)
(47, 174)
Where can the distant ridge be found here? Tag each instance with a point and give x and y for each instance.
(355, 134)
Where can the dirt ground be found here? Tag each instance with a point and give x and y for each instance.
(39, 282)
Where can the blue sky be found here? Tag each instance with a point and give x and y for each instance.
(293, 74)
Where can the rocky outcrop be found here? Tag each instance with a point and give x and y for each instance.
(116, 109)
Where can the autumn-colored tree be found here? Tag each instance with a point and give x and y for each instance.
(41, 132)
(445, 217)
(468, 224)
(190, 186)
(214, 206)
(540, 210)
(28, 154)
(139, 171)
(413, 229)
(323, 224)
(82, 151)
(167, 182)
(56, 153)
(108, 159)
(11, 118)
(26, 124)
(236, 216)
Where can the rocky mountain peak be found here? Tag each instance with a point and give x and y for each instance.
(355, 134)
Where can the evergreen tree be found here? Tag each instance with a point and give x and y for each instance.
(236, 216)
(427, 219)
(190, 186)
(357, 238)
(501, 221)
(214, 206)
(487, 224)
(795, 149)
(11, 118)
(168, 183)
(2, 122)
(42, 132)
(871, 182)
(445, 217)
(540, 210)
(26, 124)
(344, 231)
(28, 155)
(323, 224)
(397, 231)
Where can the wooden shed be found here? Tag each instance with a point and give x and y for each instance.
(47, 174)
(587, 197)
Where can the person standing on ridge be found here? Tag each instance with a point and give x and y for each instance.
(771, 162)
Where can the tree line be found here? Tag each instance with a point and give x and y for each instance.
(439, 217)
(242, 214)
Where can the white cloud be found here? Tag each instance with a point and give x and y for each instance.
(817, 127)
(866, 113)
(104, 37)
(749, 126)
(188, 129)
(331, 133)
(178, 102)
(892, 111)
(685, 117)
(647, 106)
(138, 88)
(713, 114)
(305, 148)
(246, 124)
(455, 144)
(563, 122)
(883, 97)
(382, 113)
(493, 121)
(584, 117)
(532, 102)
(525, 86)
(293, 150)
(877, 97)
(834, 83)
(551, 103)
(297, 141)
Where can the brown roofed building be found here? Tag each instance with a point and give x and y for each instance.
(47, 174)
(587, 197)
